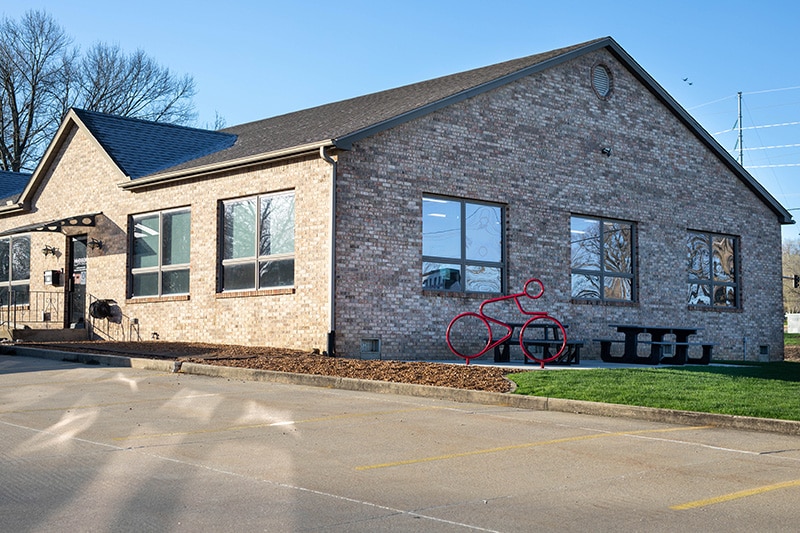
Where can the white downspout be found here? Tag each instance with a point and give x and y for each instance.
(332, 228)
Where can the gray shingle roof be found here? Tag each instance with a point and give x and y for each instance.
(347, 117)
(140, 147)
(159, 152)
(11, 185)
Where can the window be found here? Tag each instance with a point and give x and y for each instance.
(258, 242)
(462, 246)
(160, 259)
(713, 270)
(602, 259)
(15, 270)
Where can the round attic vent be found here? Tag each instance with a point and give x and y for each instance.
(601, 81)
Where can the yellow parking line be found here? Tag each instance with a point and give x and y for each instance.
(522, 446)
(735, 495)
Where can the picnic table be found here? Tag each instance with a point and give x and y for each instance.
(550, 337)
(657, 344)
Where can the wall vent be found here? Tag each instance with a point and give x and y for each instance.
(601, 81)
(370, 348)
(763, 352)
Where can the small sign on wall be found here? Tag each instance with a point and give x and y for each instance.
(52, 277)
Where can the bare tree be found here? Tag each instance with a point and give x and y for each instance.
(33, 56)
(132, 85)
(43, 75)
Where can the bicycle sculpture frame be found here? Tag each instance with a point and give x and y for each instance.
(481, 315)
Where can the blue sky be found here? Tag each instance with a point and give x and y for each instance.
(256, 59)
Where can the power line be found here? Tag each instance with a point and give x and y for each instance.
(759, 127)
(774, 166)
(774, 90)
(747, 93)
(771, 147)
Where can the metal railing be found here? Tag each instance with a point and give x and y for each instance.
(28, 308)
(47, 310)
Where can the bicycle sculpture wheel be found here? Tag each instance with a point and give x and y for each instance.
(474, 326)
(542, 337)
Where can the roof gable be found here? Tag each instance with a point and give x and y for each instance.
(140, 147)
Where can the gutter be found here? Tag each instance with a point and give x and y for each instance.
(13, 208)
(194, 172)
(332, 280)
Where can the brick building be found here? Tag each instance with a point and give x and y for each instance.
(365, 225)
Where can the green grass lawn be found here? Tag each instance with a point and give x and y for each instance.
(791, 339)
(765, 390)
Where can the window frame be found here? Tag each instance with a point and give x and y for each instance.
(463, 262)
(710, 281)
(9, 284)
(601, 272)
(258, 258)
(160, 268)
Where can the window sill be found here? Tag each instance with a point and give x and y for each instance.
(461, 295)
(604, 303)
(253, 293)
(156, 299)
(713, 309)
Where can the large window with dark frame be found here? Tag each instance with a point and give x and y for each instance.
(15, 270)
(160, 258)
(258, 242)
(462, 245)
(713, 270)
(603, 260)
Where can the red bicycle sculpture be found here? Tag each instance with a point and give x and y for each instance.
(560, 337)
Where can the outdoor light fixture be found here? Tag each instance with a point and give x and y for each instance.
(49, 250)
(94, 244)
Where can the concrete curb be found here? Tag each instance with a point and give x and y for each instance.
(787, 427)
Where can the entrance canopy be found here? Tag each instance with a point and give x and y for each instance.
(55, 226)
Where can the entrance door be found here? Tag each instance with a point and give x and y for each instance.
(77, 282)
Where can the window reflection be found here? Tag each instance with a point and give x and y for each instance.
(441, 228)
(15, 270)
(602, 259)
(258, 242)
(484, 235)
(462, 245)
(483, 279)
(161, 253)
(712, 269)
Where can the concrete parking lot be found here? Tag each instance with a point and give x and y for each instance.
(95, 448)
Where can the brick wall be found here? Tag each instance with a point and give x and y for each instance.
(535, 146)
(83, 180)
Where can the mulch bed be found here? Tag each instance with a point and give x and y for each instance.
(471, 377)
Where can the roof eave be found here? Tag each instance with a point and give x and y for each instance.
(167, 178)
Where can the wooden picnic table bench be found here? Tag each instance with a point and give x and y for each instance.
(571, 354)
(680, 346)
